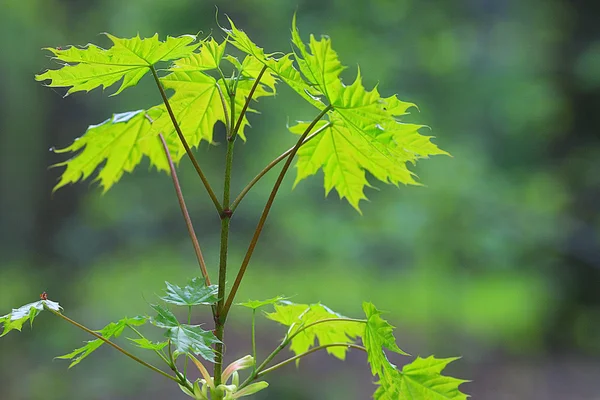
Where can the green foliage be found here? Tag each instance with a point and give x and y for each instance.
(129, 59)
(357, 131)
(378, 336)
(121, 141)
(363, 133)
(188, 339)
(195, 293)
(421, 379)
(148, 344)
(114, 329)
(256, 304)
(28, 312)
(309, 322)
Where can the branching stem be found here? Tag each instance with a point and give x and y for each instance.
(224, 311)
(188, 150)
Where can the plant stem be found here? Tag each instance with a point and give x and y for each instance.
(211, 193)
(272, 164)
(189, 322)
(105, 340)
(263, 217)
(184, 211)
(254, 337)
(224, 104)
(248, 99)
(289, 360)
(225, 219)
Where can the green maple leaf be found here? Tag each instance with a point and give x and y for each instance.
(364, 135)
(193, 294)
(121, 141)
(188, 339)
(196, 103)
(297, 316)
(282, 68)
(255, 304)
(18, 316)
(378, 335)
(145, 343)
(128, 59)
(114, 329)
(422, 380)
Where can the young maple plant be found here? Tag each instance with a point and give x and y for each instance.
(355, 131)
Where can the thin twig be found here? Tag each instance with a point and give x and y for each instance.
(272, 164)
(184, 211)
(211, 193)
(263, 217)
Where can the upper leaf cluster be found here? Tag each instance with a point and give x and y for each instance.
(361, 133)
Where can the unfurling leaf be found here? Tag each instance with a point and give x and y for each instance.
(188, 339)
(378, 336)
(121, 141)
(421, 379)
(298, 316)
(193, 294)
(28, 312)
(114, 329)
(130, 59)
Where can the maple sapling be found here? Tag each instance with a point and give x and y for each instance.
(354, 131)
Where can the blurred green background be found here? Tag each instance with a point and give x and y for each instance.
(496, 259)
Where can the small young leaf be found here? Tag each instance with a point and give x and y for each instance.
(147, 344)
(421, 379)
(378, 335)
(194, 293)
(255, 304)
(188, 339)
(28, 312)
(297, 316)
(130, 59)
(121, 141)
(114, 329)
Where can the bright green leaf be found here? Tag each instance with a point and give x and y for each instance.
(282, 68)
(114, 329)
(148, 344)
(378, 335)
(255, 304)
(297, 316)
(129, 59)
(421, 379)
(188, 339)
(194, 293)
(118, 144)
(365, 134)
(17, 318)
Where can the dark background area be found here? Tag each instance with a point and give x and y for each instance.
(496, 259)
